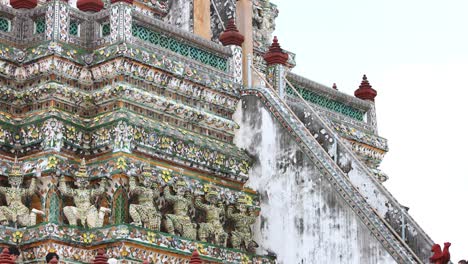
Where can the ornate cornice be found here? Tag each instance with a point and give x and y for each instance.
(124, 131)
(113, 94)
(74, 60)
(122, 242)
(187, 36)
(329, 92)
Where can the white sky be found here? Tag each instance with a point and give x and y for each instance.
(415, 54)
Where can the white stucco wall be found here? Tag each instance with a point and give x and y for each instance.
(303, 220)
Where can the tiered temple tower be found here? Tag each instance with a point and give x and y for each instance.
(154, 128)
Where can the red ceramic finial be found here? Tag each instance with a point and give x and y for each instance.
(54, 260)
(275, 54)
(27, 4)
(5, 257)
(439, 256)
(231, 35)
(101, 257)
(195, 258)
(125, 1)
(365, 91)
(334, 86)
(90, 5)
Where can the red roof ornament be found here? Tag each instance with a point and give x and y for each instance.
(124, 1)
(365, 91)
(90, 5)
(195, 258)
(101, 257)
(334, 86)
(275, 54)
(439, 256)
(231, 35)
(27, 4)
(5, 257)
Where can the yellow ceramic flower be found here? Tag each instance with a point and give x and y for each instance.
(245, 259)
(121, 163)
(124, 252)
(88, 238)
(243, 167)
(52, 162)
(166, 175)
(151, 237)
(207, 187)
(249, 200)
(220, 159)
(201, 249)
(17, 236)
(138, 134)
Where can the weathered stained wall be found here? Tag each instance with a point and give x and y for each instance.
(303, 220)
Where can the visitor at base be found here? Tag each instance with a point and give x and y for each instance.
(15, 254)
(50, 256)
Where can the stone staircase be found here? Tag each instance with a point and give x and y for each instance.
(370, 200)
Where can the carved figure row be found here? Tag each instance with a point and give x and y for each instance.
(145, 213)
(15, 211)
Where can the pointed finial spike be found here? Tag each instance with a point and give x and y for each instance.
(275, 54)
(231, 35)
(365, 91)
(90, 5)
(26, 4)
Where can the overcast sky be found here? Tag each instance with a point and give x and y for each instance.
(415, 54)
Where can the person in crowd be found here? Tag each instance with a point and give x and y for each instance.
(15, 254)
(50, 256)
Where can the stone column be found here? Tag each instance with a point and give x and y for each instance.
(277, 69)
(233, 39)
(121, 20)
(57, 21)
(244, 10)
(202, 18)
